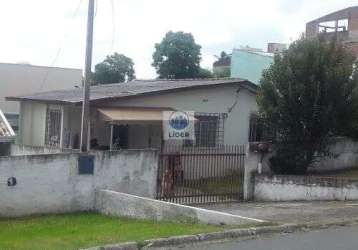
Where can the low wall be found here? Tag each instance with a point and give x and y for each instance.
(17, 149)
(51, 183)
(120, 204)
(344, 154)
(308, 188)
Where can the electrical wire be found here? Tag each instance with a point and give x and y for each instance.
(96, 8)
(59, 50)
(113, 27)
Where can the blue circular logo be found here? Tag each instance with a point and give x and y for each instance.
(179, 120)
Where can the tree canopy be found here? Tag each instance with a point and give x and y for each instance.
(222, 65)
(308, 94)
(177, 56)
(114, 69)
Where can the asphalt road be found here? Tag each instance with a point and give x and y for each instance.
(342, 238)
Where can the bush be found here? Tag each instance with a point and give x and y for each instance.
(308, 94)
(290, 161)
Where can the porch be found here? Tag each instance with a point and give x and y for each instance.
(125, 128)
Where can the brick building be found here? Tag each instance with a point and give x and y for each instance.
(342, 24)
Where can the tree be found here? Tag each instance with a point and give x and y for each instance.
(223, 72)
(221, 66)
(309, 95)
(205, 73)
(177, 56)
(114, 69)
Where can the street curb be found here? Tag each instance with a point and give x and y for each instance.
(224, 235)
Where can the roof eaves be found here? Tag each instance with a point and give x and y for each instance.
(22, 99)
(246, 84)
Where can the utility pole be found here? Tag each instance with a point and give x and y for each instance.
(87, 80)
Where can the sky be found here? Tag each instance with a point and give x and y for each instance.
(53, 33)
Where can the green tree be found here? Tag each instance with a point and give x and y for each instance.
(221, 66)
(205, 73)
(224, 72)
(309, 95)
(114, 69)
(177, 56)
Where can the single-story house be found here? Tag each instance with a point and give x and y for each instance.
(129, 115)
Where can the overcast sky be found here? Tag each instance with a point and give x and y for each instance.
(52, 32)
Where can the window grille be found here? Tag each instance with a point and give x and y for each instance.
(260, 130)
(53, 127)
(209, 130)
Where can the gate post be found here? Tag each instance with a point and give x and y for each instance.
(256, 161)
(252, 160)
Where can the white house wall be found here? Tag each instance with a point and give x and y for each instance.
(210, 100)
(33, 123)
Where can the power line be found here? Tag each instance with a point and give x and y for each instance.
(96, 7)
(59, 50)
(113, 27)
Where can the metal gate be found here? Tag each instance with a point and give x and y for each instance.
(193, 175)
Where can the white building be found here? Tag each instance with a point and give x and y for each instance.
(133, 112)
(22, 79)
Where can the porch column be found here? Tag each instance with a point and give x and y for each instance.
(111, 138)
(62, 126)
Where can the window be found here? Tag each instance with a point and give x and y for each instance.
(260, 130)
(209, 130)
(53, 127)
(333, 26)
(13, 120)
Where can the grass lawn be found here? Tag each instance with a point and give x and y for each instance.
(216, 186)
(80, 230)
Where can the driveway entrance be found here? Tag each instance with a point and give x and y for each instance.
(194, 175)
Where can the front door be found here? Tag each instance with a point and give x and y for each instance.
(120, 136)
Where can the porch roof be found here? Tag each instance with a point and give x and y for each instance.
(132, 114)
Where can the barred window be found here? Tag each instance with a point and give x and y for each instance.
(260, 130)
(209, 130)
(53, 127)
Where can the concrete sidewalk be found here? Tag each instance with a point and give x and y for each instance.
(342, 238)
(291, 212)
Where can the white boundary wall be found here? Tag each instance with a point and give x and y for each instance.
(51, 183)
(120, 204)
(304, 188)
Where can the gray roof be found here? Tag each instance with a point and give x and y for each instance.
(133, 88)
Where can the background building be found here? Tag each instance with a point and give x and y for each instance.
(21, 79)
(248, 63)
(342, 24)
(276, 47)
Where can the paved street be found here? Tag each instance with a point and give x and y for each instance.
(342, 238)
